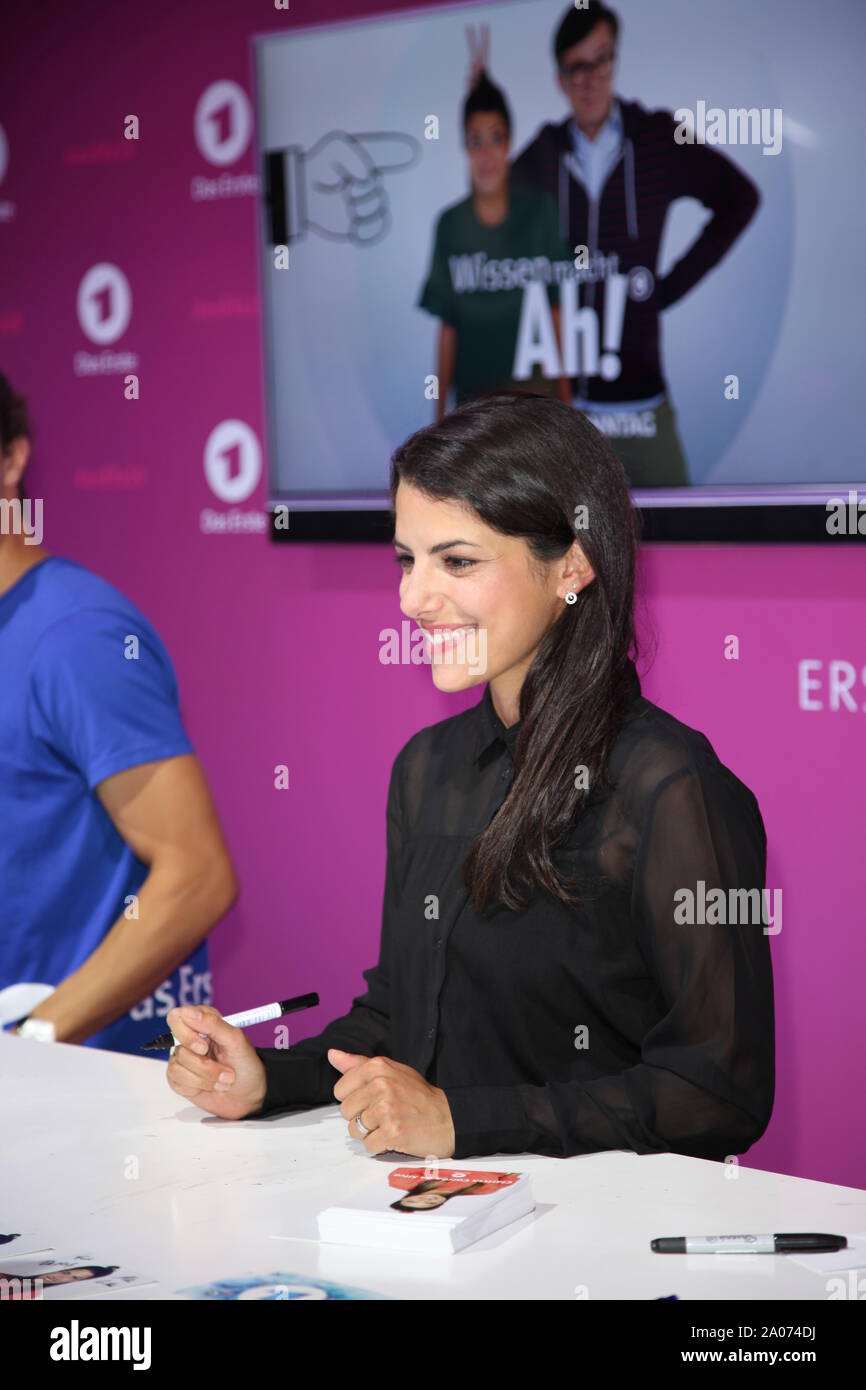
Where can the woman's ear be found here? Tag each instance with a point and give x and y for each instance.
(14, 461)
(576, 572)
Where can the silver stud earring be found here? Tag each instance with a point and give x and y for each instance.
(571, 596)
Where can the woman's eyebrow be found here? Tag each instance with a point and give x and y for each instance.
(435, 549)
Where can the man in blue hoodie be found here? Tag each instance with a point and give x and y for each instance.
(614, 169)
(113, 867)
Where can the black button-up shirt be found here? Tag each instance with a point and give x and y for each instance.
(565, 1030)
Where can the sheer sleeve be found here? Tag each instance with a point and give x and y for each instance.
(302, 1075)
(704, 1084)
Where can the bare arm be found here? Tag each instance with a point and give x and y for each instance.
(163, 810)
(447, 357)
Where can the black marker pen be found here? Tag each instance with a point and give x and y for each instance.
(810, 1242)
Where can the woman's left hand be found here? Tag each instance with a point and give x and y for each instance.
(402, 1111)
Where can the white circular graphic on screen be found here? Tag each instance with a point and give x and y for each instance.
(223, 122)
(104, 303)
(275, 1291)
(640, 283)
(232, 461)
(4, 154)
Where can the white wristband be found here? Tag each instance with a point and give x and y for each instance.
(42, 1029)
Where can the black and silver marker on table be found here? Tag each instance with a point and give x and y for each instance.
(790, 1243)
(243, 1020)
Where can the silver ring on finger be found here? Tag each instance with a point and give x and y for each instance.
(362, 1127)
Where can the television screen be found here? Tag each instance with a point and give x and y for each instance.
(658, 219)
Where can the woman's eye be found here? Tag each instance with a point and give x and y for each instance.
(456, 562)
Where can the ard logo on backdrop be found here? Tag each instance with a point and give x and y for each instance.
(232, 467)
(223, 125)
(104, 308)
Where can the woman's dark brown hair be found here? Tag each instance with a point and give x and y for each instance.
(524, 463)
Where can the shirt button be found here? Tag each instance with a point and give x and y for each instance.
(432, 1033)
(437, 943)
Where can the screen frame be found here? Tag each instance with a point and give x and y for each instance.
(731, 514)
(741, 525)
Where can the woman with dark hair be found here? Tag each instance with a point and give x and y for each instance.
(565, 966)
(487, 249)
(429, 1194)
(31, 1285)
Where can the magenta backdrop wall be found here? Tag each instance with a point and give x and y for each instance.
(277, 650)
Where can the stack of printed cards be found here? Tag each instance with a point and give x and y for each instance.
(436, 1213)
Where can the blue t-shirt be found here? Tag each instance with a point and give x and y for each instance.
(87, 690)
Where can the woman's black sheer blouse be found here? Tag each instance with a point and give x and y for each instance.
(557, 1030)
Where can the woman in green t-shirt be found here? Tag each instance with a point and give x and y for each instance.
(487, 249)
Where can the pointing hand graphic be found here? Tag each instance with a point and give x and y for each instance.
(336, 188)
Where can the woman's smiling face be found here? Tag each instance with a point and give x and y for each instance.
(462, 577)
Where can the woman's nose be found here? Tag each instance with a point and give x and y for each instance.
(417, 593)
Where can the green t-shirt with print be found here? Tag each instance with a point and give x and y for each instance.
(476, 283)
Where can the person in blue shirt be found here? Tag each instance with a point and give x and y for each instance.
(113, 866)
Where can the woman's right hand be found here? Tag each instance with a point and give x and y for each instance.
(196, 1064)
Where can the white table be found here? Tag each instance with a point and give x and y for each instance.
(211, 1194)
